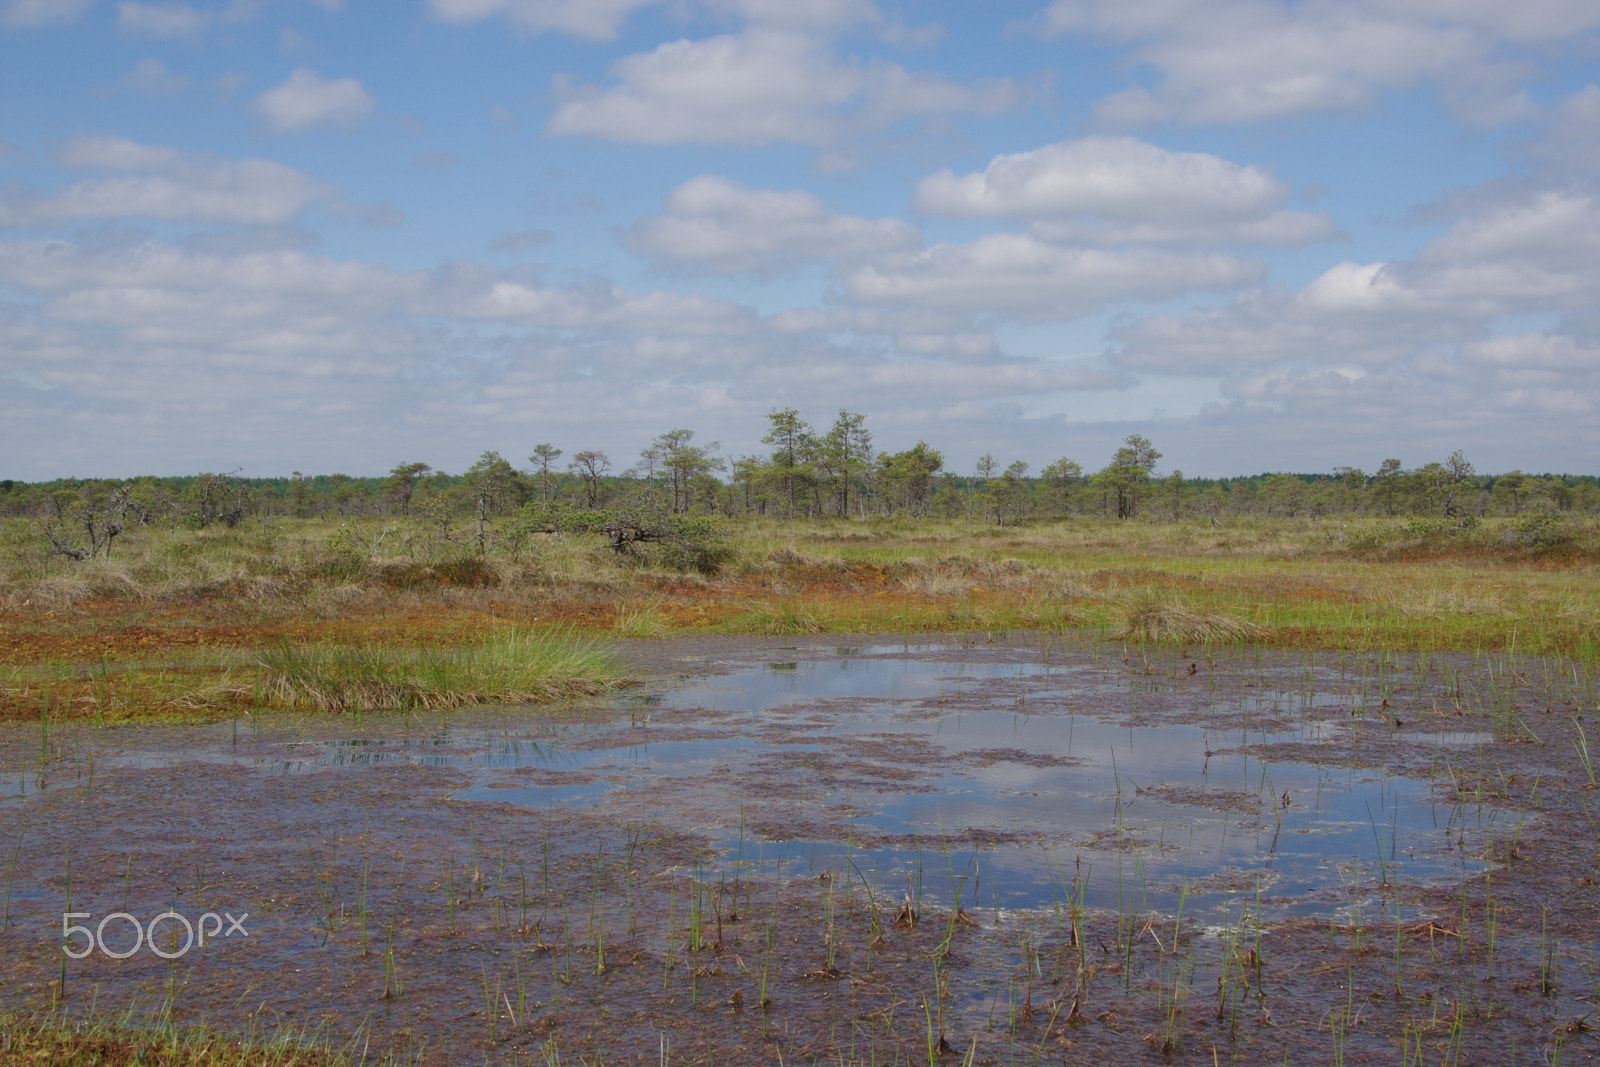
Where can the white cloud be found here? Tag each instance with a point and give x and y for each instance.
(1137, 192)
(294, 310)
(1120, 177)
(379, 215)
(240, 242)
(757, 87)
(1532, 20)
(1370, 313)
(947, 380)
(1537, 252)
(276, 357)
(175, 186)
(1442, 401)
(727, 382)
(172, 319)
(600, 20)
(66, 270)
(1534, 351)
(1264, 328)
(1019, 275)
(871, 320)
(308, 99)
(169, 19)
(599, 305)
(596, 20)
(1227, 61)
(718, 224)
(115, 153)
(197, 359)
(1347, 288)
(964, 347)
(1552, 232)
(520, 241)
(803, 14)
(26, 13)
(152, 76)
(1283, 228)
(1571, 144)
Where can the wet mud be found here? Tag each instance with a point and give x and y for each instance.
(862, 850)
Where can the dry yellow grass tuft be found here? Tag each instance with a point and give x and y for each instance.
(1149, 616)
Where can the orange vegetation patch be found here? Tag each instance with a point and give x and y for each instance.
(146, 641)
(122, 643)
(1352, 638)
(702, 614)
(182, 692)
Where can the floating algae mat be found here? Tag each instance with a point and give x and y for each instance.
(1006, 784)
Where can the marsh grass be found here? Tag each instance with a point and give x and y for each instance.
(1053, 613)
(780, 618)
(27, 1038)
(181, 615)
(1153, 617)
(642, 620)
(519, 666)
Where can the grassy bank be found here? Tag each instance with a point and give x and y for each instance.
(197, 622)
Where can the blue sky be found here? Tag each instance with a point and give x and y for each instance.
(335, 235)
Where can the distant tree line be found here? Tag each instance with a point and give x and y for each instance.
(809, 472)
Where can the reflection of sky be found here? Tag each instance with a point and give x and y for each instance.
(19, 785)
(1341, 828)
(1123, 784)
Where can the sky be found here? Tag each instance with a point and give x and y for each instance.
(339, 235)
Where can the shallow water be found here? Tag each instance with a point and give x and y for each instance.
(503, 851)
(1000, 784)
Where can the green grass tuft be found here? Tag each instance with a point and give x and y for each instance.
(509, 667)
(645, 620)
(779, 618)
